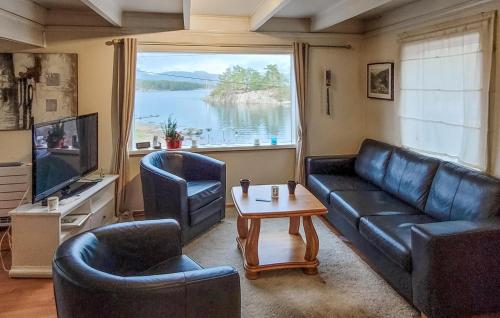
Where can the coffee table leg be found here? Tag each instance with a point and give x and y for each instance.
(312, 244)
(252, 248)
(242, 225)
(294, 225)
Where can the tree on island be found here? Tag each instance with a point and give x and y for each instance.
(238, 79)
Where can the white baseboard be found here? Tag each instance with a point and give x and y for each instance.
(31, 272)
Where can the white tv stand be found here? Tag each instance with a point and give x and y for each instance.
(36, 233)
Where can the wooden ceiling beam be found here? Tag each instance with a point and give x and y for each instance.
(266, 10)
(22, 22)
(343, 10)
(108, 9)
(186, 13)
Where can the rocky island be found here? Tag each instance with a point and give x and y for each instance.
(239, 85)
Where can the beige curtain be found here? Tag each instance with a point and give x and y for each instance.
(301, 69)
(122, 112)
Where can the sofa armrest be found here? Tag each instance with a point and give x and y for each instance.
(456, 269)
(340, 165)
(215, 292)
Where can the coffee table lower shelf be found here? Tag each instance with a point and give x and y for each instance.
(278, 251)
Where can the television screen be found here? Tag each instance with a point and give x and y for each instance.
(63, 152)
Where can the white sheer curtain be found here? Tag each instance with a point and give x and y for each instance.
(444, 96)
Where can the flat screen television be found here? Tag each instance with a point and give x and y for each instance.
(63, 152)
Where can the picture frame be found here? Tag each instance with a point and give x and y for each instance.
(380, 81)
(37, 87)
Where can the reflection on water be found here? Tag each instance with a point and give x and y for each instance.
(232, 124)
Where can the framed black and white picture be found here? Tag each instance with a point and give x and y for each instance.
(381, 81)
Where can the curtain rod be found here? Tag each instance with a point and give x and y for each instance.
(223, 45)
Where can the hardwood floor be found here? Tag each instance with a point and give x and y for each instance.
(25, 298)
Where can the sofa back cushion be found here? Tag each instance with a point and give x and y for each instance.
(459, 193)
(372, 160)
(409, 177)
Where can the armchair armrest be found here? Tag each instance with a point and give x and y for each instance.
(340, 164)
(214, 291)
(165, 194)
(456, 268)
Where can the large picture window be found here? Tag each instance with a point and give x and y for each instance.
(217, 99)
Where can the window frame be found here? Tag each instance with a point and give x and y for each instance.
(160, 48)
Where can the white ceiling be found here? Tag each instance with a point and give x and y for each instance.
(111, 10)
(384, 8)
(157, 6)
(61, 4)
(225, 7)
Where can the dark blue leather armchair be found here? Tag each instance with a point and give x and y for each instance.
(137, 269)
(184, 186)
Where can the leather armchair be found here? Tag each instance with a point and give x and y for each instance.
(137, 269)
(187, 187)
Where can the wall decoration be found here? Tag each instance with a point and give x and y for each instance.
(328, 85)
(381, 81)
(39, 86)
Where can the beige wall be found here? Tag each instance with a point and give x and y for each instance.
(382, 117)
(342, 134)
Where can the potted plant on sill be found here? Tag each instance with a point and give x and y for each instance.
(55, 137)
(173, 138)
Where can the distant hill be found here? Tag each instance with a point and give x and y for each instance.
(198, 77)
(163, 85)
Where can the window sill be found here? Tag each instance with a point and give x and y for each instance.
(208, 149)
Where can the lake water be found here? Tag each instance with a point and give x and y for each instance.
(222, 124)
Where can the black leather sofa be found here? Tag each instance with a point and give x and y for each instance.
(187, 187)
(430, 228)
(137, 269)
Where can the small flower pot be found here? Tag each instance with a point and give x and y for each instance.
(173, 143)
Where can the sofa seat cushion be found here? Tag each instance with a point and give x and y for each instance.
(322, 185)
(391, 234)
(201, 193)
(177, 264)
(354, 205)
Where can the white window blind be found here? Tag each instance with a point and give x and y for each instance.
(444, 93)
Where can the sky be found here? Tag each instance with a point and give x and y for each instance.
(215, 63)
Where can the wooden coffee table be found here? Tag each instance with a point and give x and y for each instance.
(277, 250)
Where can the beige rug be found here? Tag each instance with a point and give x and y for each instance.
(345, 286)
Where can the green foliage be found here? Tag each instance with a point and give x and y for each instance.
(238, 79)
(165, 85)
(169, 129)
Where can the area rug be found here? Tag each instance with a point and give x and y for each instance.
(345, 286)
